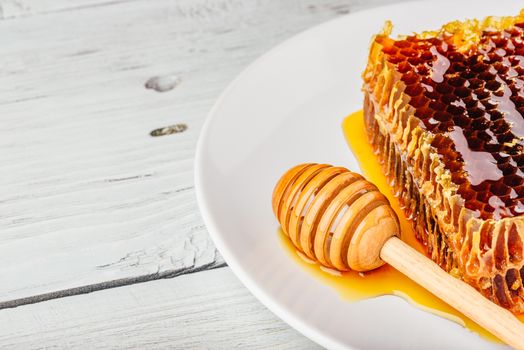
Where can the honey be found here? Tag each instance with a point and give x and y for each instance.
(472, 102)
(385, 280)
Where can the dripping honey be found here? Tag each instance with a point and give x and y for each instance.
(386, 280)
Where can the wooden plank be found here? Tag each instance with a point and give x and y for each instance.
(196, 311)
(89, 199)
(10, 9)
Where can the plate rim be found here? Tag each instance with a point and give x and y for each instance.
(296, 323)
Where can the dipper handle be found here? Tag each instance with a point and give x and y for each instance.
(460, 295)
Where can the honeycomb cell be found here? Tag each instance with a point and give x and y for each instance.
(415, 61)
(506, 137)
(448, 99)
(480, 124)
(519, 69)
(483, 186)
(491, 147)
(431, 93)
(426, 56)
(500, 189)
(418, 101)
(483, 197)
(456, 81)
(475, 144)
(390, 50)
(404, 67)
(437, 106)
(454, 166)
(458, 67)
(469, 102)
(408, 52)
(402, 44)
(462, 92)
(501, 68)
(410, 77)
(467, 193)
(482, 93)
(480, 67)
(513, 180)
(476, 205)
(445, 126)
(493, 85)
(458, 177)
(468, 74)
(462, 121)
(422, 70)
(513, 88)
(414, 90)
(455, 110)
(396, 59)
(489, 104)
(442, 116)
(424, 113)
(493, 57)
(495, 115)
(444, 88)
(500, 126)
(475, 112)
(518, 101)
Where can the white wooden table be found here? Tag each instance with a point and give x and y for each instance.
(90, 200)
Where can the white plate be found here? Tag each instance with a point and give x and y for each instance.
(287, 108)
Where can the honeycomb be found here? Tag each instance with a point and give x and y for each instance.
(444, 111)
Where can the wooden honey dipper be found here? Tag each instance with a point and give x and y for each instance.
(341, 220)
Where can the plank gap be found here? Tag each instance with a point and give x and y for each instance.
(9, 304)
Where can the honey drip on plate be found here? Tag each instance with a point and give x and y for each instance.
(385, 280)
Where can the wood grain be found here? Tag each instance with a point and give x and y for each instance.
(210, 309)
(89, 199)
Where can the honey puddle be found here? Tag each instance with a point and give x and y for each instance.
(386, 280)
